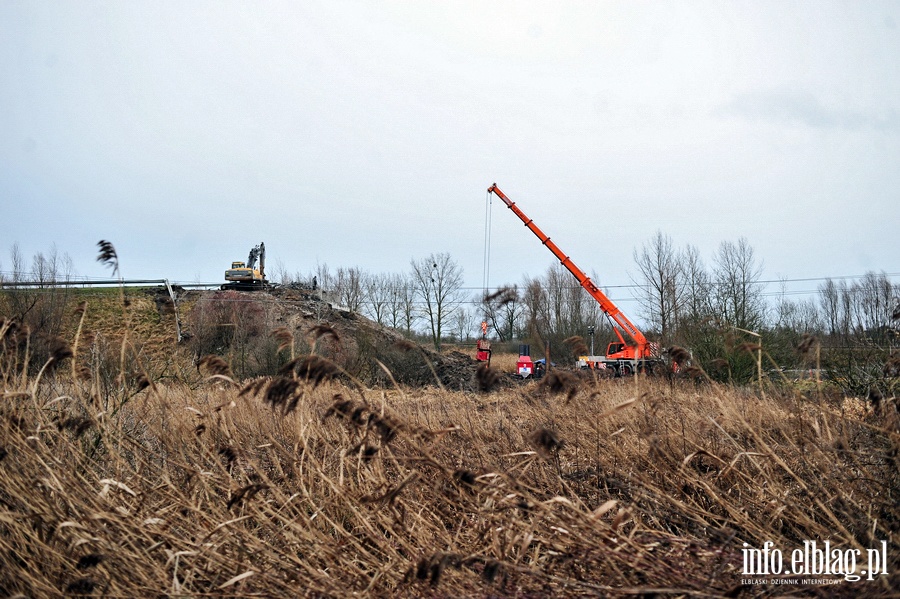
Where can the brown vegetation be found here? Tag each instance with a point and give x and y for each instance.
(287, 448)
(310, 483)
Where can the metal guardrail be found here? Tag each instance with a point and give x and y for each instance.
(103, 283)
(77, 283)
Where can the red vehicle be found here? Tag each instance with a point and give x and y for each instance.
(632, 352)
(483, 351)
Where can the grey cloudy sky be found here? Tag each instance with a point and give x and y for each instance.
(366, 133)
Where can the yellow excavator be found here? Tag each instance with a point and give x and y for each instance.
(244, 276)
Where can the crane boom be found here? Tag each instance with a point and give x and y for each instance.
(642, 348)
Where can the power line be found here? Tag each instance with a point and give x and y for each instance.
(91, 281)
(12, 276)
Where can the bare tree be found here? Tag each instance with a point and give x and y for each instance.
(400, 311)
(324, 279)
(503, 310)
(795, 316)
(861, 344)
(40, 270)
(874, 303)
(738, 296)
(696, 305)
(660, 275)
(406, 296)
(18, 266)
(19, 303)
(377, 300)
(463, 324)
(556, 307)
(830, 304)
(536, 307)
(348, 288)
(279, 272)
(437, 280)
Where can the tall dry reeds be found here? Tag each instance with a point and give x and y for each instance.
(309, 484)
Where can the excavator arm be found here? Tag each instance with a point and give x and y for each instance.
(262, 260)
(622, 323)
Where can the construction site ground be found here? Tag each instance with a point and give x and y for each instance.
(374, 355)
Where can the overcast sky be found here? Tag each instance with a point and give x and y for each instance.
(366, 133)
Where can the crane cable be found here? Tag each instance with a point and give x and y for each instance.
(487, 257)
(487, 242)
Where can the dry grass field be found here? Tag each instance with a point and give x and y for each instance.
(309, 484)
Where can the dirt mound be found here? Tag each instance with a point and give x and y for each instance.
(373, 354)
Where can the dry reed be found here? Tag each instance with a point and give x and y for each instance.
(306, 485)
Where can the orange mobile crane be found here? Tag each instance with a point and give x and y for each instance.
(623, 357)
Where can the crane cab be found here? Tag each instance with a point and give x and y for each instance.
(620, 351)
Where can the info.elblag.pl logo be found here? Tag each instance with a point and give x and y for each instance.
(814, 559)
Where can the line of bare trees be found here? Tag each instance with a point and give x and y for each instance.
(721, 310)
(427, 301)
(716, 308)
(712, 308)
